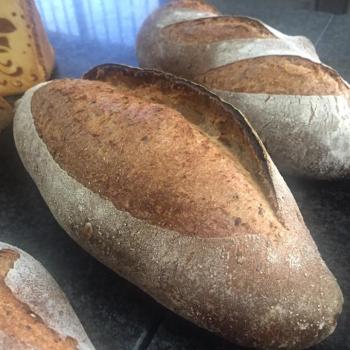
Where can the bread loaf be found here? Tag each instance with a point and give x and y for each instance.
(298, 106)
(26, 56)
(6, 112)
(172, 189)
(34, 312)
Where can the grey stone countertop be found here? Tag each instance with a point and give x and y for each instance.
(116, 314)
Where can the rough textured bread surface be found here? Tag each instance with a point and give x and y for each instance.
(6, 113)
(208, 30)
(259, 74)
(196, 186)
(207, 114)
(27, 57)
(258, 285)
(299, 107)
(19, 321)
(23, 322)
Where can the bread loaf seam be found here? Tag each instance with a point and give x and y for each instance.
(281, 44)
(332, 141)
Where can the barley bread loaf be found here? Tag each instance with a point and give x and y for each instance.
(26, 56)
(298, 106)
(6, 112)
(34, 312)
(172, 189)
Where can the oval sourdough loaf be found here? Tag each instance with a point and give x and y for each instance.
(170, 187)
(34, 312)
(298, 106)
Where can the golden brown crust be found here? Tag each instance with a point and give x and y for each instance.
(176, 93)
(285, 75)
(236, 135)
(153, 160)
(255, 285)
(19, 322)
(209, 30)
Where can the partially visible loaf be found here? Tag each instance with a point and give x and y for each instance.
(173, 190)
(27, 56)
(34, 312)
(299, 106)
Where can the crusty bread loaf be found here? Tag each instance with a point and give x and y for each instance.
(27, 57)
(6, 112)
(171, 188)
(34, 312)
(298, 106)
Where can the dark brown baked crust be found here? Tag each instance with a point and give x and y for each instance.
(156, 152)
(209, 30)
(285, 75)
(19, 322)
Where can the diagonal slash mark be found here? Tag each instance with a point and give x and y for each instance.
(324, 30)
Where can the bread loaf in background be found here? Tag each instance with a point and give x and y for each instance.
(6, 112)
(172, 189)
(26, 56)
(34, 312)
(298, 106)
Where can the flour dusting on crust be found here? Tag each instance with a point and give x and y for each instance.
(33, 285)
(220, 284)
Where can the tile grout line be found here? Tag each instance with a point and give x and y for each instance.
(146, 337)
(324, 30)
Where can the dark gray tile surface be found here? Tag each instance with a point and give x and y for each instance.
(334, 47)
(116, 314)
(334, 6)
(176, 333)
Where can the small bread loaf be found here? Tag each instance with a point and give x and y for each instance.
(170, 187)
(298, 106)
(34, 312)
(27, 57)
(6, 112)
